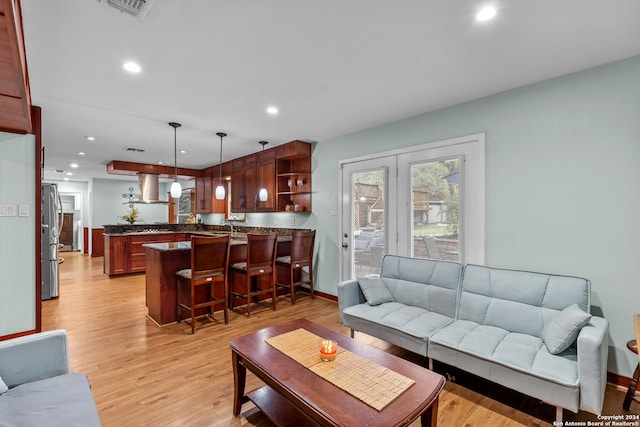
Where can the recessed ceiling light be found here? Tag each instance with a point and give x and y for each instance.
(65, 179)
(74, 165)
(81, 153)
(486, 13)
(69, 173)
(89, 138)
(272, 110)
(160, 162)
(183, 151)
(132, 67)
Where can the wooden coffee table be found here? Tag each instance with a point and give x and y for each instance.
(294, 396)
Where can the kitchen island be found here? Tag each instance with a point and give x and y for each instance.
(164, 259)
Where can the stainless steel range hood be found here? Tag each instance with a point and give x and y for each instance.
(149, 189)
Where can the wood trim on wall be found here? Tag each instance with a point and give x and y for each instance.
(97, 242)
(36, 116)
(85, 236)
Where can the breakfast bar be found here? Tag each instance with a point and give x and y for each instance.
(164, 259)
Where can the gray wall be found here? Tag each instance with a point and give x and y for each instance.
(107, 203)
(570, 143)
(17, 233)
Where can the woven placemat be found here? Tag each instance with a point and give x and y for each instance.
(373, 384)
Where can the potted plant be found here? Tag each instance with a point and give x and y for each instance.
(132, 216)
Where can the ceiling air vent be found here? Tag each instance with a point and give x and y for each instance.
(137, 8)
(134, 150)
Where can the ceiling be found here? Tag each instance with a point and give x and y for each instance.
(332, 67)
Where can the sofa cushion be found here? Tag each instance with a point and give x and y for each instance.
(563, 330)
(427, 284)
(414, 321)
(63, 400)
(522, 352)
(374, 290)
(518, 301)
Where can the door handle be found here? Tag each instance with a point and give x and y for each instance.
(345, 245)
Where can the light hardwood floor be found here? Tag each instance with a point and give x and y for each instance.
(144, 375)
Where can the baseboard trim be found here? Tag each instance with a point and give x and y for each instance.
(618, 380)
(17, 334)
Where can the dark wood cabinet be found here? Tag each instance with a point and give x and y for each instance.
(248, 175)
(218, 206)
(203, 195)
(125, 254)
(266, 178)
(115, 255)
(238, 194)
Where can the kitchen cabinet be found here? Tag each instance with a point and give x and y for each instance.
(115, 255)
(124, 254)
(243, 184)
(248, 175)
(293, 177)
(218, 206)
(136, 253)
(266, 177)
(203, 195)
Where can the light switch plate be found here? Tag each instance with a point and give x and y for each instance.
(24, 210)
(7, 210)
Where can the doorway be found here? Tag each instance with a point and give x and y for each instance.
(72, 233)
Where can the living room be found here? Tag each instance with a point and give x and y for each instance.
(565, 146)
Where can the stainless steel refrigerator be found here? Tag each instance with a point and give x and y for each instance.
(51, 226)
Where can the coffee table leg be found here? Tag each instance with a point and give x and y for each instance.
(239, 379)
(430, 417)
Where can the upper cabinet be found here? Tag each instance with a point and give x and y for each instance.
(284, 172)
(203, 195)
(15, 96)
(206, 201)
(293, 170)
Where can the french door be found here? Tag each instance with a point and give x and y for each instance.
(368, 218)
(425, 201)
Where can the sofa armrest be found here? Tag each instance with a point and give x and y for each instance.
(593, 350)
(349, 293)
(34, 357)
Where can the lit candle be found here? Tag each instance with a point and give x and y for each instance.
(328, 349)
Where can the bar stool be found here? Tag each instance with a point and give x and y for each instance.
(209, 264)
(301, 256)
(261, 255)
(633, 385)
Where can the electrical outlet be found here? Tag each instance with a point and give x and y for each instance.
(292, 221)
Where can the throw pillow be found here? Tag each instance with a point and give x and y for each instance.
(374, 290)
(3, 387)
(563, 329)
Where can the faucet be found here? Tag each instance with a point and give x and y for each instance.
(229, 224)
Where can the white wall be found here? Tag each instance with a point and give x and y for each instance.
(17, 281)
(569, 142)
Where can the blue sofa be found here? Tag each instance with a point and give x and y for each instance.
(531, 332)
(36, 387)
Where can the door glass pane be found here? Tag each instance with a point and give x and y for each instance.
(435, 207)
(368, 224)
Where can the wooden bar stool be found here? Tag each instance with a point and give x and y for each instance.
(291, 267)
(633, 385)
(209, 264)
(260, 264)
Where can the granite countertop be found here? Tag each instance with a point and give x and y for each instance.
(186, 245)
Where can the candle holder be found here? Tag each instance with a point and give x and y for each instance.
(328, 350)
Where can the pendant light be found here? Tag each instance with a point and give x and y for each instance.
(263, 195)
(176, 189)
(220, 191)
